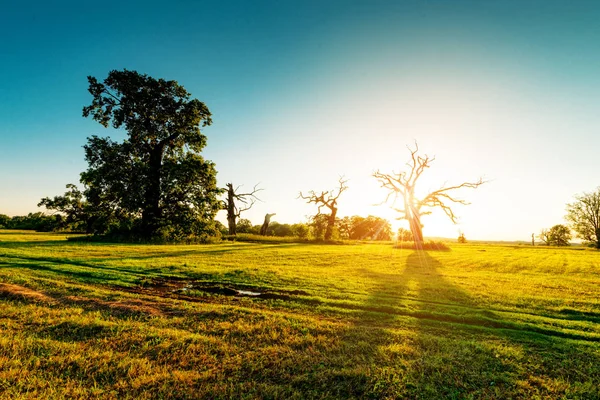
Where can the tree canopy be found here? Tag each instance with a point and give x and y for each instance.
(584, 217)
(558, 235)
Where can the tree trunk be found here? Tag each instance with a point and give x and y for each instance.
(598, 238)
(152, 213)
(265, 225)
(416, 230)
(231, 217)
(330, 224)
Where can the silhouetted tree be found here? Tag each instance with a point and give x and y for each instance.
(232, 201)
(584, 217)
(75, 211)
(403, 184)
(155, 181)
(461, 238)
(327, 199)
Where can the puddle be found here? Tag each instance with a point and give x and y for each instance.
(242, 292)
(248, 293)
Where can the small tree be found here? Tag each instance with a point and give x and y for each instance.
(327, 199)
(462, 238)
(584, 217)
(558, 235)
(403, 185)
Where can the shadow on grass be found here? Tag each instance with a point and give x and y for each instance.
(438, 343)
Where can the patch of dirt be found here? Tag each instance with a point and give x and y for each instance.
(182, 289)
(124, 307)
(17, 292)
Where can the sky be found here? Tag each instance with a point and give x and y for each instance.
(303, 92)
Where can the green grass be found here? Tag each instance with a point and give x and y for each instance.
(93, 320)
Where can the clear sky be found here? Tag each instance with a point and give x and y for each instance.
(305, 91)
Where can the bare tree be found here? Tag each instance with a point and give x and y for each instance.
(403, 184)
(265, 225)
(327, 199)
(236, 203)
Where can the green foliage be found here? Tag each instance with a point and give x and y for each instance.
(301, 230)
(584, 217)
(558, 235)
(404, 235)
(4, 221)
(154, 184)
(245, 226)
(430, 245)
(33, 221)
(318, 224)
(369, 228)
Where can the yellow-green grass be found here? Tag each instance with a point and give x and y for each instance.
(93, 320)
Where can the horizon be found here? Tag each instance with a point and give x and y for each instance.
(302, 94)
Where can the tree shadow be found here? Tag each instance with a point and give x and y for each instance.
(419, 335)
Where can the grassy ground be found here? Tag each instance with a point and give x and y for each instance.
(91, 320)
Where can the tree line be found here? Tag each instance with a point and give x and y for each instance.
(583, 216)
(155, 184)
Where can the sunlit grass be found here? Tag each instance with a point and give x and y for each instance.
(365, 321)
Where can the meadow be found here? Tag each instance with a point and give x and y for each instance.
(296, 321)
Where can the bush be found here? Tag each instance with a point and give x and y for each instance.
(429, 245)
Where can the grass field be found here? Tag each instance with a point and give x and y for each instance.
(91, 320)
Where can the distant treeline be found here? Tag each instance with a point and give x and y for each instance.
(33, 221)
(354, 228)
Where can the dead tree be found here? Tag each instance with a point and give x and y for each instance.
(403, 184)
(327, 199)
(265, 225)
(231, 204)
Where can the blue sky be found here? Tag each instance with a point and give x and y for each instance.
(305, 91)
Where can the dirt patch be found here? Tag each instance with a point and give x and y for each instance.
(184, 290)
(17, 292)
(124, 307)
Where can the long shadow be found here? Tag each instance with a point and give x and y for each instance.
(419, 335)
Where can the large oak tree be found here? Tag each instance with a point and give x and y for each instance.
(155, 180)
